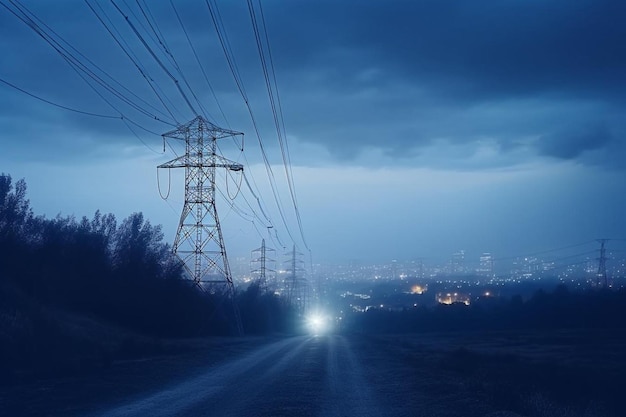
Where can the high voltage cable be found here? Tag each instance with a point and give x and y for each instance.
(275, 105)
(195, 54)
(256, 197)
(25, 10)
(133, 58)
(59, 105)
(570, 256)
(286, 142)
(153, 54)
(227, 52)
(259, 199)
(223, 38)
(160, 39)
(238, 187)
(168, 51)
(128, 52)
(145, 44)
(126, 122)
(239, 83)
(77, 66)
(74, 62)
(545, 251)
(268, 222)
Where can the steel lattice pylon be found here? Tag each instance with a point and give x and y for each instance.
(297, 286)
(199, 242)
(262, 260)
(601, 277)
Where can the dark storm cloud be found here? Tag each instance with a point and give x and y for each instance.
(33, 65)
(396, 76)
(489, 47)
(572, 143)
(447, 59)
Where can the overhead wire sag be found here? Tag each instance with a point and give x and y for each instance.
(160, 39)
(82, 70)
(195, 54)
(275, 105)
(130, 57)
(26, 11)
(59, 105)
(159, 62)
(239, 83)
(72, 61)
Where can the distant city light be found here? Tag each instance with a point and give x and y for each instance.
(418, 289)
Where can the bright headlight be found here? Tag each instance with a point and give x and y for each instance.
(316, 323)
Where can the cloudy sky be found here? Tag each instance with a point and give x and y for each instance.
(415, 128)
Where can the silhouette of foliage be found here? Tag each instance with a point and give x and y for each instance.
(560, 309)
(263, 312)
(121, 272)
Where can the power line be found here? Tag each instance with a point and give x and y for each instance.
(239, 83)
(75, 63)
(195, 54)
(272, 90)
(168, 51)
(126, 122)
(81, 70)
(145, 44)
(59, 105)
(25, 10)
(544, 251)
(128, 52)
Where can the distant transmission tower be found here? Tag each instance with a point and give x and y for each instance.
(601, 278)
(199, 242)
(296, 285)
(259, 257)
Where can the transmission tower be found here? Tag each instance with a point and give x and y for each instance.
(199, 242)
(296, 285)
(601, 278)
(259, 257)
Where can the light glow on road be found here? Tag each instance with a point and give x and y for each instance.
(317, 323)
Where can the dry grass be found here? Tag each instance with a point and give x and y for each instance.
(569, 373)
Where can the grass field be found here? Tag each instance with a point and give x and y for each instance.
(544, 374)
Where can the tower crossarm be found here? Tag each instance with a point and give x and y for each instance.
(199, 124)
(218, 162)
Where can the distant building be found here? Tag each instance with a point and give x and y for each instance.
(531, 265)
(451, 298)
(526, 267)
(485, 267)
(457, 263)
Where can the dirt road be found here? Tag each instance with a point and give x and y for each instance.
(303, 376)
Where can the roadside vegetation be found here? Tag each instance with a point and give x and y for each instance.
(78, 292)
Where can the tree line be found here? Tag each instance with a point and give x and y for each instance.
(118, 271)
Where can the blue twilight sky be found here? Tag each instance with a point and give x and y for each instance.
(415, 128)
